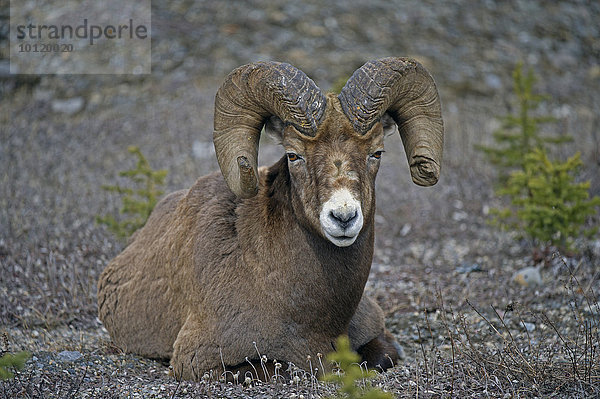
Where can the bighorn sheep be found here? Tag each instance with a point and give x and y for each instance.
(275, 258)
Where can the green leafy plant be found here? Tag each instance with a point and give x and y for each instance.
(520, 132)
(350, 374)
(137, 203)
(547, 203)
(14, 361)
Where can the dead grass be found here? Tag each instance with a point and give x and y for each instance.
(495, 353)
(477, 351)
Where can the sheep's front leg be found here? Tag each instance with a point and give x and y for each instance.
(193, 352)
(381, 352)
(370, 339)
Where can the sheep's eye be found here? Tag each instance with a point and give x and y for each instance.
(377, 154)
(292, 157)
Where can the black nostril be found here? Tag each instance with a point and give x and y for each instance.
(344, 218)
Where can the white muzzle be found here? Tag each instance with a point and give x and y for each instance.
(341, 218)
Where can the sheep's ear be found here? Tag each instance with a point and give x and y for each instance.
(389, 125)
(274, 129)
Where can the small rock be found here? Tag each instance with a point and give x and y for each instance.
(70, 106)
(459, 216)
(493, 81)
(405, 229)
(468, 268)
(69, 356)
(528, 276)
(594, 308)
(530, 327)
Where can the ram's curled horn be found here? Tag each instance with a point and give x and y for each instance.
(251, 94)
(406, 91)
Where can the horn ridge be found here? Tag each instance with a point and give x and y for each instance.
(247, 98)
(405, 90)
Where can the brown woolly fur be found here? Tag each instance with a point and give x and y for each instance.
(214, 278)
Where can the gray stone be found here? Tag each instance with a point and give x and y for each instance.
(528, 276)
(69, 106)
(69, 356)
(530, 327)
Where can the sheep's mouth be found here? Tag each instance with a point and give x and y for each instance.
(343, 237)
(342, 240)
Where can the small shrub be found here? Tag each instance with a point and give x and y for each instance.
(350, 374)
(14, 361)
(519, 134)
(137, 203)
(547, 203)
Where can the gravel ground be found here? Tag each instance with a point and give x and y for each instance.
(443, 276)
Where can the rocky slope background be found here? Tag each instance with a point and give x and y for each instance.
(443, 276)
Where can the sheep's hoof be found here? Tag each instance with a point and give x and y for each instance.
(382, 352)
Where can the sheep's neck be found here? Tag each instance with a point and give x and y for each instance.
(311, 281)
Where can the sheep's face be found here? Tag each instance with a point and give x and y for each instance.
(333, 175)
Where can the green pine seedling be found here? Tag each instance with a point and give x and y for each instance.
(547, 203)
(520, 132)
(351, 374)
(12, 361)
(137, 203)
